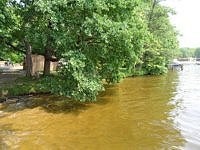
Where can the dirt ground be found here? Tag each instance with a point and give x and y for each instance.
(8, 74)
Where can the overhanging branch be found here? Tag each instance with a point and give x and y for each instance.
(11, 46)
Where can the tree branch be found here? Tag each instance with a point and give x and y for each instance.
(10, 45)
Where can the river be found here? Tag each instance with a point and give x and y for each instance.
(140, 113)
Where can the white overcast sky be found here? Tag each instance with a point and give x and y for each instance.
(187, 21)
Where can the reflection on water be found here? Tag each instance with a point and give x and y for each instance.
(187, 111)
(157, 112)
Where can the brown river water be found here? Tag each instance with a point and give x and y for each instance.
(140, 113)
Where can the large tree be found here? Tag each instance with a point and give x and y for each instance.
(25, 31)
(98, 40)
(162, 41)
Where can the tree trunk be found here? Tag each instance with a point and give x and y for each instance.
(48, 51)
(47, 62)
(28, 60)
(47, 65)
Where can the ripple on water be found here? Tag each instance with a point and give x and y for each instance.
(187, 117)
(141, 113)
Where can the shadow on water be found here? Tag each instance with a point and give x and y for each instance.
(54, 104)
(49, 103)
(10, 135)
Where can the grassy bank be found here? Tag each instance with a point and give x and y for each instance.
(24, 86)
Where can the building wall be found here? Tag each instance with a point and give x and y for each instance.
(38, 64)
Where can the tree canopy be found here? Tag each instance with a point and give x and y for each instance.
(99, 41)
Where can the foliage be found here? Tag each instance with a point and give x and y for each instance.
(197, 53)
(162, 42)
(13, 56)
(186, 52)
(98, 40)
(9, 23)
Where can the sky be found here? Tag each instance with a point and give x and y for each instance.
(187, 21)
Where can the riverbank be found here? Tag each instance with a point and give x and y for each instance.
(16, 84)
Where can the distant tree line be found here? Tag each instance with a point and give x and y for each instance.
(188, 52)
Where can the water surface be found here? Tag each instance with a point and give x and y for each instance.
(152, 112)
